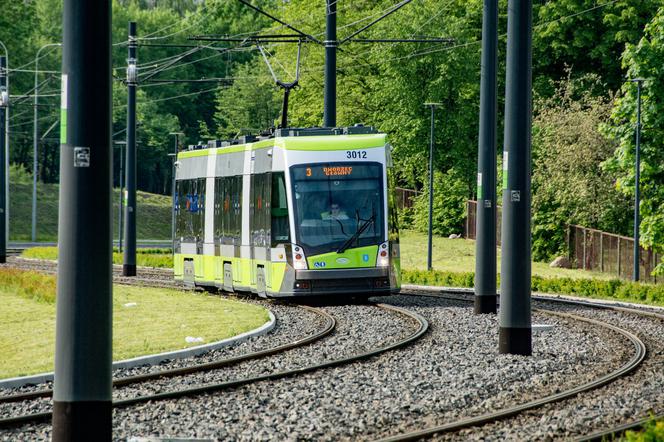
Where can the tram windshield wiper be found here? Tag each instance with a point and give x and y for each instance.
(357, 234)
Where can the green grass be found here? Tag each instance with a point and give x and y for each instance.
(454, 266)
(160, 321)
(144, 257)
(153, 211)
(458, 255)
(653, 431)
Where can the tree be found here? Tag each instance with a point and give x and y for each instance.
(569, 185)
(643, 60)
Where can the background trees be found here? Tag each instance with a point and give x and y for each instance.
(580, 174)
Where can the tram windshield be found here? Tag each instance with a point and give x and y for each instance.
(338, 205)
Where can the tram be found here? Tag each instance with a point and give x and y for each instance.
(298, 212)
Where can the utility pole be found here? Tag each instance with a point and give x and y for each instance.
(4, 103)
(129, 262)
(637, 180)
(430, 233)
(331, 43)
(82, 407)
(515, 333)
(485, 221)
(35, 142)
(175, 158)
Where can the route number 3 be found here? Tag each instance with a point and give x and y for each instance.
(355, 154)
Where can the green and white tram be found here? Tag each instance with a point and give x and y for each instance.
(300, 212)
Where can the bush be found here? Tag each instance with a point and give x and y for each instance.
(652, 431)
(449, 199)
(592, 288)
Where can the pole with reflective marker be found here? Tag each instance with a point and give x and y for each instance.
(515, 334)
(129, 260)
(82, 407)
(4, 102)
(485, 221)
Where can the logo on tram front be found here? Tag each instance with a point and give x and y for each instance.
(320, 264)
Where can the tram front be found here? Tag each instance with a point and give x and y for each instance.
(340, 228)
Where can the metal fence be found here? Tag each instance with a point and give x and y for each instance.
(471, 217)
(405, 197)
(591, 249)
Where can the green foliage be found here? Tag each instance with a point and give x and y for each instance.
(29, 285)
(590, 42)
(569, 186)
(144, 257)
(593, 288)
(643, 60)
(653, 431)
(448, 205)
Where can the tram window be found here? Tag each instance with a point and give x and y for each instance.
(279, 210)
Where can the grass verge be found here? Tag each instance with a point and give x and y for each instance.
(145, 321)
(652, 432)
(144, 257)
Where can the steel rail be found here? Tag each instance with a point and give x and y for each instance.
(330, 324)
(423, 326)
(634, 362)
(619, 431)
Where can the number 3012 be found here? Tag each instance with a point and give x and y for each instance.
(355, 154)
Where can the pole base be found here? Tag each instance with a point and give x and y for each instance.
(515, 341)
(485, 304)
(82, 421)
(128, 269)
(3, 259)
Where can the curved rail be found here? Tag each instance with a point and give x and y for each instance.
(423, 326)
(636, 359)
(330, 324)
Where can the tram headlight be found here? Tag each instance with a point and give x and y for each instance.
(299, 259)
(383, 259)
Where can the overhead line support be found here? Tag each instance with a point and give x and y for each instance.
(129, 259)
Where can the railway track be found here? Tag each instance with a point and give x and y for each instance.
(421, 326)
(459, 429)
(637, 358)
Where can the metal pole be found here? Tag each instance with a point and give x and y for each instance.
(637, 179)
(4, 102)
(485, 219)
(121, 196)
(35, 142)
(175, 157)
(331, 43)
(129, 263)
(6, 153)
(515, 334)
(82, 407)
(430, 232)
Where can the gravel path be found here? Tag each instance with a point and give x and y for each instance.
(452, 372)
(624, 400)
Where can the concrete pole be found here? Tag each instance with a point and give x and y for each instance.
(515, 334)
(129, 262)
(485, 220)
(430, 228)
(82, 407)
(6, 153)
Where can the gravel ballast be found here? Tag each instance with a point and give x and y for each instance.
(452, 372)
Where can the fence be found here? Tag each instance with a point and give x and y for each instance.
(405, 197)
(591, 249)
(471, 217)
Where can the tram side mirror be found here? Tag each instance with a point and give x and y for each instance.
(388, 155)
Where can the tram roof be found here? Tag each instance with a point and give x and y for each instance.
(304, 139)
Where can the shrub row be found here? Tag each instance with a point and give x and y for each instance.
(28, 284)
(144, 257)
(594, 288)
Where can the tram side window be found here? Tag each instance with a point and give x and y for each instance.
(279, 210)
(260, 206)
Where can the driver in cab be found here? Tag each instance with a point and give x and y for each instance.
(335, 212)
